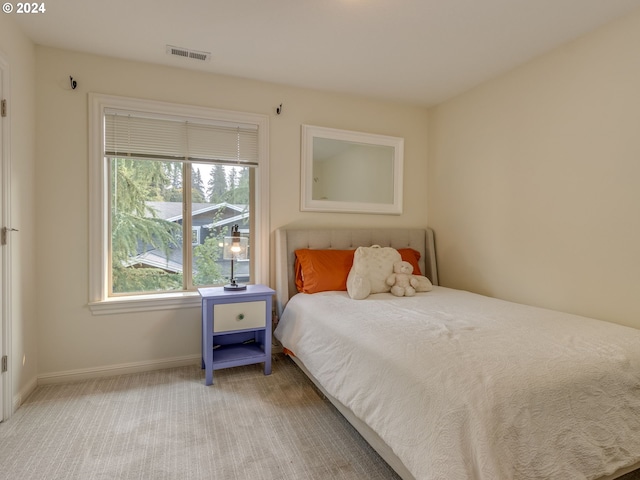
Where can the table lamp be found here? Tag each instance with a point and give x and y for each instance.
(234, 247)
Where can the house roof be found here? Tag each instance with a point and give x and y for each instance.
(155, 258)
(172, 211)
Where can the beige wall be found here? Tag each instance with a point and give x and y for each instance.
(70, 338)
(534, 180)
(19, 53)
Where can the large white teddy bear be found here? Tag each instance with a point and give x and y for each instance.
(404, 284)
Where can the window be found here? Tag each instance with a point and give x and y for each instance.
(143, 210)
(195, 236)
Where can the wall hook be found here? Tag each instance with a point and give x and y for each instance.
(279, 109)
(74, 84)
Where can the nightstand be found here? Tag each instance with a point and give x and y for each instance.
(236, 328)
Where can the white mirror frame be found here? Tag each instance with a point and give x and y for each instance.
(309, 204)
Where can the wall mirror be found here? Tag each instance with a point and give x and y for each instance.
(345, 171)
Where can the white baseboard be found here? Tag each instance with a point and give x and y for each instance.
(121, 369)
(22, 395)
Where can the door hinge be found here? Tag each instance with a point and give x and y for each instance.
(3, 234)
(3, 108)
(5, 363)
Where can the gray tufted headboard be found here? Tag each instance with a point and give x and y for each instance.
(290, 240)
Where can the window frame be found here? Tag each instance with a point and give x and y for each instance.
(100, 302)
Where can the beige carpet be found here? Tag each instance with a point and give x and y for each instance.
(167, 425)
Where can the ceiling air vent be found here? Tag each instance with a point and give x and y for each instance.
(186, 53)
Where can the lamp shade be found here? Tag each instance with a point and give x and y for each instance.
(235, 248)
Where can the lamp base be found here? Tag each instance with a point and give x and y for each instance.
(235, 287)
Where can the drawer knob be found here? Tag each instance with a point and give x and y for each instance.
(241, 316)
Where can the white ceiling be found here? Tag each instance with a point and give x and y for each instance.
(420, 51)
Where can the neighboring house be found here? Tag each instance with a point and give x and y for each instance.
(207, 220)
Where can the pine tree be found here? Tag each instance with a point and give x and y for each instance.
(217, 185)
(242, 190)
(173, 188)
(197, 187)
(232, 182)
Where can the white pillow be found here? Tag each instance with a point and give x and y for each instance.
(370, 270)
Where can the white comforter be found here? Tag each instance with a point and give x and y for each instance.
(462, 386)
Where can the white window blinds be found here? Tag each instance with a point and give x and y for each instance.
(131, 135)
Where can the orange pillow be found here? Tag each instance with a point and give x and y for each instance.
(322, 270)
(412, 256)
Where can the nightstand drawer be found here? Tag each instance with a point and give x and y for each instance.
(239, 316)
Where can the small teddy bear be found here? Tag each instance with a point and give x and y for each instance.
(404, 284)
(400, 280)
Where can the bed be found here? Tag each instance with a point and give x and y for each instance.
(448, 384)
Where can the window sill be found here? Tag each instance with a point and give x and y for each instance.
(145, 303)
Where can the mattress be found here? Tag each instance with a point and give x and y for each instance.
(464, 386)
